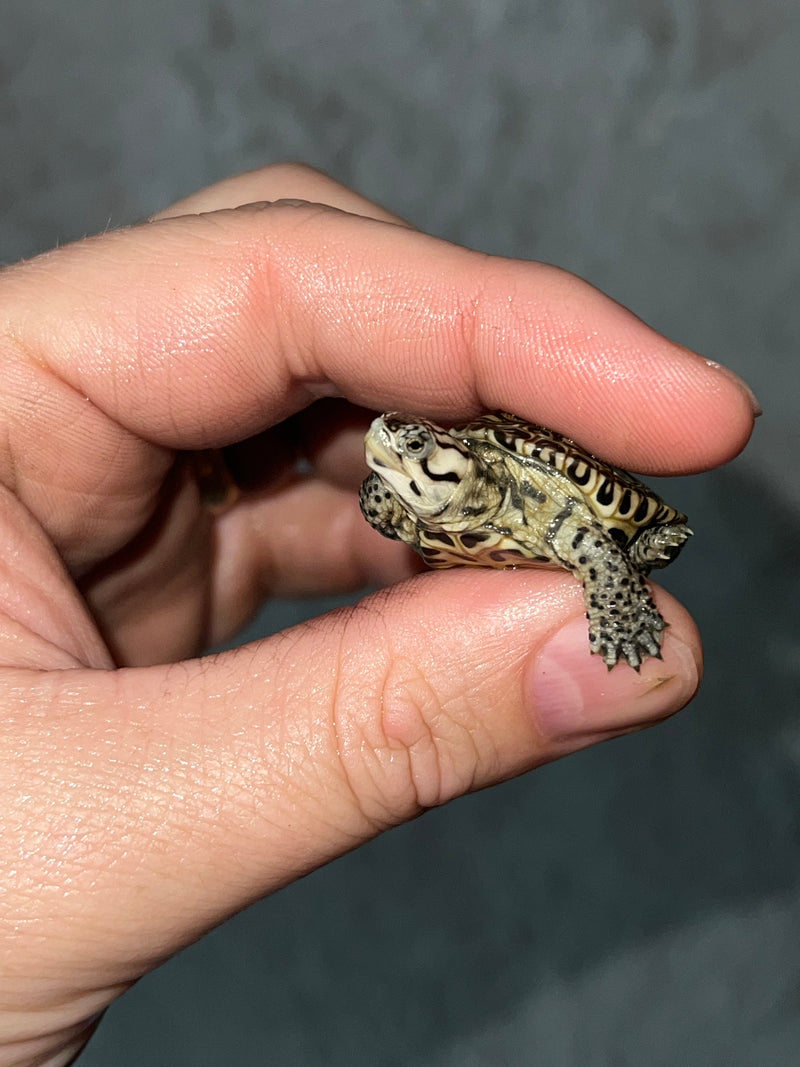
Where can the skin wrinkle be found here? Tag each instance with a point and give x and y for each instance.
(355, 718)
(23, 395)
(482, 680)
(396, 782)
(497, 340)
(38, 580)
(38, 1049)
(228, 576)
(544, 333)
(414, 715)
(43, 497)
(313, 736)
(273, 276)
(408, 731)
(471, 331)
(24, 647)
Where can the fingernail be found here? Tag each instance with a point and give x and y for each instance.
(571, 692)
(734, 377)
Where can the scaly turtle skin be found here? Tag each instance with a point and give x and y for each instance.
(499, 492)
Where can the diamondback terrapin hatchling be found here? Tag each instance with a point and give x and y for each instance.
(500, 492)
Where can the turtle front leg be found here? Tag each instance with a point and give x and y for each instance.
(624, 623)
(381, 508)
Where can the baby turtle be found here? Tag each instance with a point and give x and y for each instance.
(499, 492)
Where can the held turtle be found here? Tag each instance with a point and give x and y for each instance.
(500, 492)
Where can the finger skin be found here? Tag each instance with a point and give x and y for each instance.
(212, 328)
(168, 798)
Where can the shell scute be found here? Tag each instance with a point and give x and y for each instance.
(612, 493)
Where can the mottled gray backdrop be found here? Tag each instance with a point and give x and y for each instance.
(634, 905)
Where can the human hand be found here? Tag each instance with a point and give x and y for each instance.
(143, 805)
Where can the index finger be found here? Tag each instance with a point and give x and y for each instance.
(200, 330)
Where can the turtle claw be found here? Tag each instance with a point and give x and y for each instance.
(658, 546)
(632, 636)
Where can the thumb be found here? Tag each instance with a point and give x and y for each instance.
(170, 797)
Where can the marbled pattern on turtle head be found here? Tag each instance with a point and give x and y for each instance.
(500, 492)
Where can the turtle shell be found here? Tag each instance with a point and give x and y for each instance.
(623, 503)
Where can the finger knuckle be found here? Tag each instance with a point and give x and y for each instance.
(404, 745)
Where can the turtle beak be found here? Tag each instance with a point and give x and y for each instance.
(378, 444)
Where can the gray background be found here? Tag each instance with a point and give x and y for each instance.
(636, 904)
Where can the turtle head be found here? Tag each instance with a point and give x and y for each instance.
(423, 464)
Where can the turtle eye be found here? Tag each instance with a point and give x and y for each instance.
(418, 444)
